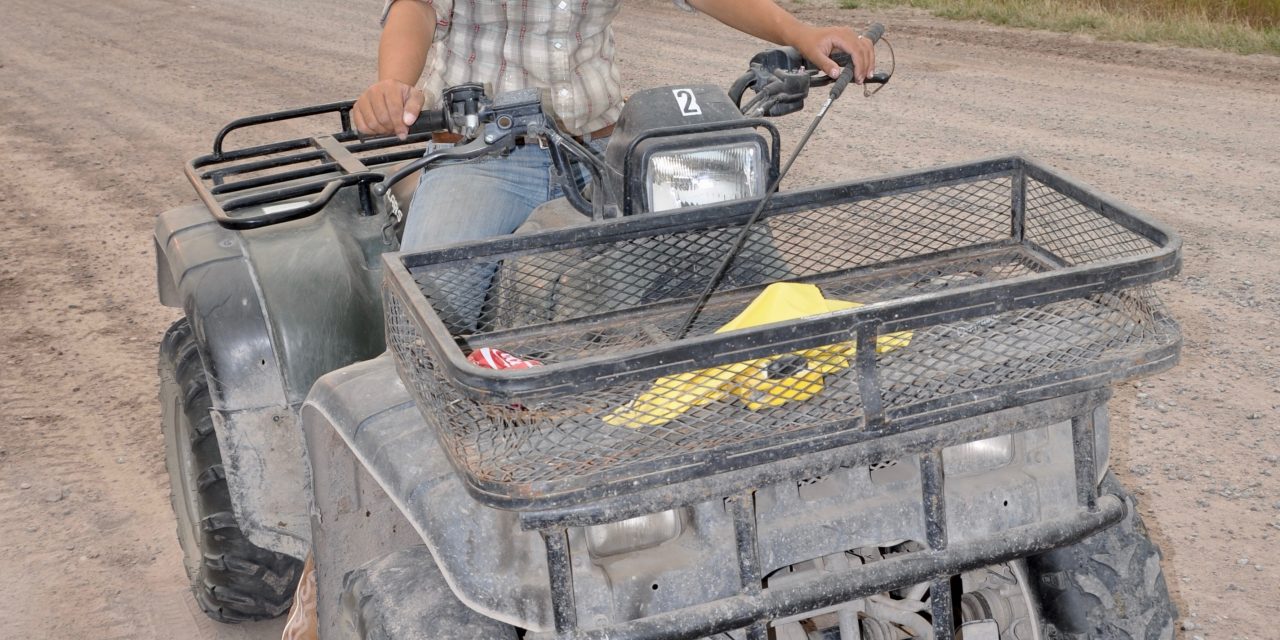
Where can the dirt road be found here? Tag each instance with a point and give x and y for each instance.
(101, 102)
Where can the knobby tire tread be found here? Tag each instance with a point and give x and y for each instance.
(1108, 586)
(232, 579)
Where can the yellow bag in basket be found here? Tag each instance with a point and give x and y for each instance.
(762, 382)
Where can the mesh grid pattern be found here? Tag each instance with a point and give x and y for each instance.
(612, 297)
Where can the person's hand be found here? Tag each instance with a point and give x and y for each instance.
(817, 44)
(387, 107)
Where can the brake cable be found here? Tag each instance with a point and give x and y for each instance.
(841, 83)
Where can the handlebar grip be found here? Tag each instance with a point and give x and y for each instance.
(430, 121)
(874, 32)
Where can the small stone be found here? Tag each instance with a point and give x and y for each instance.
(1254, 416)
(1143, 396)
(24, 486)
(1242, 561)
(55, 495)
(71, 547)
(1188, 625)
(120, 460)
(1257, 567)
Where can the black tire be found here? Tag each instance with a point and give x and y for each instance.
(403, 596)
(1108, 585)
(232, 579)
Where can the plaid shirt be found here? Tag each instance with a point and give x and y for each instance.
(564, 46)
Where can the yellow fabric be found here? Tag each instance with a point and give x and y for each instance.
(673, 396)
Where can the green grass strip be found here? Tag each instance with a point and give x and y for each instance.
(1241, 26)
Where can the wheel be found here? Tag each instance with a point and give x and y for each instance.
(1108, 585)
(232, 579)
(403, 596)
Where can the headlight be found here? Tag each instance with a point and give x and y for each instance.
(634, 534)
(689, 178)
(977, 456)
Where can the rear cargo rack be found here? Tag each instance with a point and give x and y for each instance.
(984, 286)
(266, 184)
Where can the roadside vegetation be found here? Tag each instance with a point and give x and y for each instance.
(1242, 26)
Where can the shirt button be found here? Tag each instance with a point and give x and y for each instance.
(564, 92)
(563, 5)
(557, 44)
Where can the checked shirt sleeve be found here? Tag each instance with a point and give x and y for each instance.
(444, 15)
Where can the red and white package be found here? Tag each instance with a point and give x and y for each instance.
(491, 358)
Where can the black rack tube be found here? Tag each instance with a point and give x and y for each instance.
(941, 608)
(563, 608)
(1018, 205)
(868, 381)
(935, 502)
(1082, 439)
(743, 508)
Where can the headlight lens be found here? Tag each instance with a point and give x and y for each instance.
(634, 534)
(689, 178)
(977, 456)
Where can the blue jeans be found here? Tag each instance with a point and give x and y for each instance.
(478, 200)
(473, 201)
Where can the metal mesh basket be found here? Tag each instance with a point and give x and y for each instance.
(981, 286)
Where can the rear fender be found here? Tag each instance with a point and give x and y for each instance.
(272, 309)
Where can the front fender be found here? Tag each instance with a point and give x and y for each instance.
(272, 309)
(380, 473)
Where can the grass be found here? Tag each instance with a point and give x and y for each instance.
(1242, 26)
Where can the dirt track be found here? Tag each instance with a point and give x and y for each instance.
(101, 102)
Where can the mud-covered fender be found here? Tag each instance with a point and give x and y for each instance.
(272, 309)
(380, 473)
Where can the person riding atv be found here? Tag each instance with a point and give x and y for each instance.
(561, 46)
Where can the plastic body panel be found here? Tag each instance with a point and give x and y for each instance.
(363, 429)
(272, 310)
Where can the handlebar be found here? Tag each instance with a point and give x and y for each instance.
(782, 78)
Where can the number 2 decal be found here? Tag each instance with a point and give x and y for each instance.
(688, 102)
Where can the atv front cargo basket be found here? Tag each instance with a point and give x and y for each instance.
(981, 286)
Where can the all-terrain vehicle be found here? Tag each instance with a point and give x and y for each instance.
(675, 404)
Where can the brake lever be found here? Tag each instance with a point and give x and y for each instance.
(476, 148)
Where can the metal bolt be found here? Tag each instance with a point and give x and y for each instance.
(489, 139)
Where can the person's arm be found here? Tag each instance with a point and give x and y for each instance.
(764, 19)
(392, 103)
